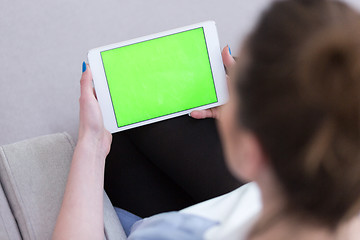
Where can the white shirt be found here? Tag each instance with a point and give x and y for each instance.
(236, 212)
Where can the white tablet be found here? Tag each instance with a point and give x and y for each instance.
(160, 76)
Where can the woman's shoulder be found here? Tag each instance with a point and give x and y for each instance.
(235, 212)
(231, 214)
(245, 199)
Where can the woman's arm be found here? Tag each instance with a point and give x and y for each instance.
(81, 214)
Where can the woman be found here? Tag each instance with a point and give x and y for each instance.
(292, 126)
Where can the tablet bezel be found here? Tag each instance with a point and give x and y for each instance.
(102, 89)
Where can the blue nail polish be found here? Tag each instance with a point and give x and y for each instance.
(229, 49)
(84, 67)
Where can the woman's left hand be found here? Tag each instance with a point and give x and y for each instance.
(215, 112)
(91, 127)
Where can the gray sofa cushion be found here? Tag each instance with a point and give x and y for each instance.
(33, 174)
(112, 225)
(8, 227)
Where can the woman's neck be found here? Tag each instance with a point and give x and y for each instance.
(285, 227)
(290, 228)
(276, 223)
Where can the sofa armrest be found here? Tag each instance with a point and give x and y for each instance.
(33, 174)
(8, 227)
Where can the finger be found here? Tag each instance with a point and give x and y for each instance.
(227, 58)
(201, 114)
(86, 82)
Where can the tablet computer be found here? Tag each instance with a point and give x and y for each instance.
(160, 76)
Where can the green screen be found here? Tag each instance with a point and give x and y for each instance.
(159, 76)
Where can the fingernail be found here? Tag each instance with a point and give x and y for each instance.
(229, 49)
(189, 114)
(84, 67)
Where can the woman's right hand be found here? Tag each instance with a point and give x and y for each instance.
(81, 214)
(216, 111)
(91, 127)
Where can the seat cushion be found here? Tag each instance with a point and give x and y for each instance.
(33, 174)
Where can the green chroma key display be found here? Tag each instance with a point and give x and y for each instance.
(159, 76)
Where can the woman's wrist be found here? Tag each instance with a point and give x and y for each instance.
(96, 145)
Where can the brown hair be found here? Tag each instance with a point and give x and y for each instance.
(300, 95)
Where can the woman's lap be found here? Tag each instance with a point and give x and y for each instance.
(166, 166)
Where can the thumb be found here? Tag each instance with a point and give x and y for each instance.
(86, 81)
(227, 58)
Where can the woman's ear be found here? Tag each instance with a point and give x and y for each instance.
(252, 160)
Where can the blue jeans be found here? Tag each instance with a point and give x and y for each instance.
(127, 219)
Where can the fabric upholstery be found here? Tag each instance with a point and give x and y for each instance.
(8, 227)
(33, 174)
(112, 225)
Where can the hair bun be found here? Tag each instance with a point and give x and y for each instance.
(329, 71)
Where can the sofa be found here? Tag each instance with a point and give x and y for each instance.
(33, 175)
